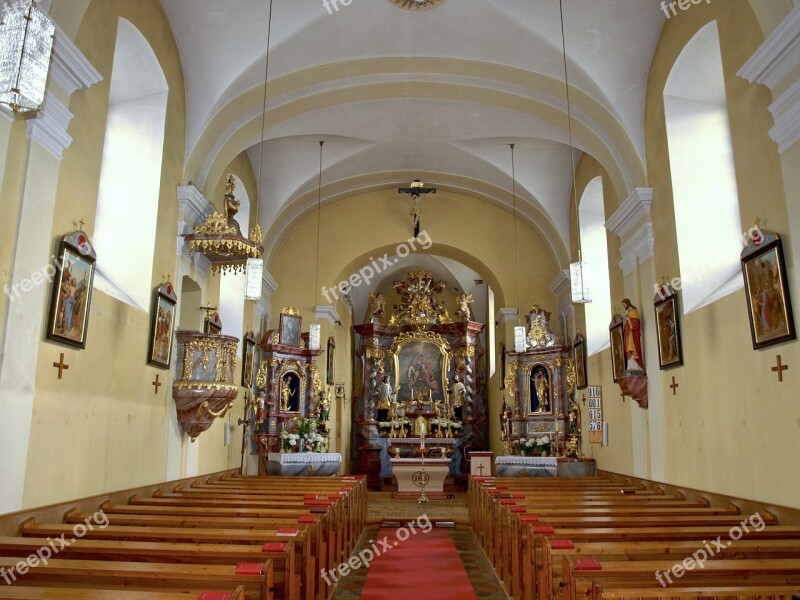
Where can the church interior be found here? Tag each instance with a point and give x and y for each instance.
(502, 289)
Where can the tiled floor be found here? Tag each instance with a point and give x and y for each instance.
(480, 573)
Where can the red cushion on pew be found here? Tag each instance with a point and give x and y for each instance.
(529, 519)
(518, 509)
(318, 502)
(248, 569)
(544, 530)
(507, 502)
(214, 596)
(318, 510)
(334, 497)
(518, 496)
(287, 531)
(502, 487)
(562, 544)
(274, 547)
(307, 519)
(310, 497)
(587, 564)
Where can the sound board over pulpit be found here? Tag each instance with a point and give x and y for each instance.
(418, 377)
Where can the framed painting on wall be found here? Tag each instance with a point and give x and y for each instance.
(248, 359)
(289, 327)
(330, 357)
(769, 305)
(162, 320)
(617, 348)
(72, 291)
(670, 349)
(579, 354)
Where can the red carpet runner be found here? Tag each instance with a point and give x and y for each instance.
(425, 566)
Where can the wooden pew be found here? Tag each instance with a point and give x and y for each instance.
(552, 558)
(287, 583)
(752, 592)
(146, 576)
(189, 535)
(579, 580)
(25, 592)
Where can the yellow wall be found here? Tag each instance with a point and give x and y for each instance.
(732, 421)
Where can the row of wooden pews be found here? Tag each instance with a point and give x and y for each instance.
(224, 537)
(569, 538)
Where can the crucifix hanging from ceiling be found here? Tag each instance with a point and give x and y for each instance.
(416, 191)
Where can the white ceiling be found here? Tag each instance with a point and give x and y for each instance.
(459, 135)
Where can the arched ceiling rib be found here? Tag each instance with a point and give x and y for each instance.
(441, 91)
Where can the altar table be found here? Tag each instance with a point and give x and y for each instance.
(304, 463)
(410, 477)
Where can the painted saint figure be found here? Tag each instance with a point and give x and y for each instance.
(632, 337)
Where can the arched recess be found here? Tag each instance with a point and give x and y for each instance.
(703, 173)
(231, 287)
(130, 173)
(190, 317)
(594, 248)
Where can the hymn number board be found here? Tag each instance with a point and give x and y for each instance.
(595, 405)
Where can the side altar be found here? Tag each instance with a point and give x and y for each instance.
(417, 378)
(291, 407)
(542, 427)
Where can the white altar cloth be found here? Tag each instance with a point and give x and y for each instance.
(531, 466)
(304, 463)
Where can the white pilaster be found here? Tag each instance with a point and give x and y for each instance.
(48, 137)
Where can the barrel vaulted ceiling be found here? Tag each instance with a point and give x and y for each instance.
(435, 94)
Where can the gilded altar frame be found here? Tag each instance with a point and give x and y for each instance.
(422, 343)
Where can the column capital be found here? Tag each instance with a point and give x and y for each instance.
(505, 314)
(634, 210)
(328, 313)
(49, 127)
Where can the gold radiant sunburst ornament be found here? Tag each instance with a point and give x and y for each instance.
(417, 4)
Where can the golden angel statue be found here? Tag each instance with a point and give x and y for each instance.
(463, 300)
(377, 308)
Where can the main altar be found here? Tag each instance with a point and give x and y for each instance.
(417, 383)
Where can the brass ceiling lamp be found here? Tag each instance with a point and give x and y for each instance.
(520, 344)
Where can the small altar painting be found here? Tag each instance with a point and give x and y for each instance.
(420, 369)
(290, 392)
(540, 389)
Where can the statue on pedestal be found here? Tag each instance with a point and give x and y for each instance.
(463, 300)
(377, 308)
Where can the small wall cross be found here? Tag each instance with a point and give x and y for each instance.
(779, 368)
(674, 386)
(157, 384)
(61, 366)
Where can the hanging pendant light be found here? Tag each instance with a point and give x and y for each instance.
(520, 344)
(254, 278)
(578, 271)
(26, 44)
(315, 330)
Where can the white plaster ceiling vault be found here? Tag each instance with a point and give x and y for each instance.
(397, 93)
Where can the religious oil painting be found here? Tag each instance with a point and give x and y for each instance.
(579, 354)
(768, 302)
(330, 373)
(290, 330)
(617, 350)
(72, 291)
(161, 324)
(540, 390)
(248, 359)
(420, 367)
(670, 353)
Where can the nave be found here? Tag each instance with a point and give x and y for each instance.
(228, 537)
